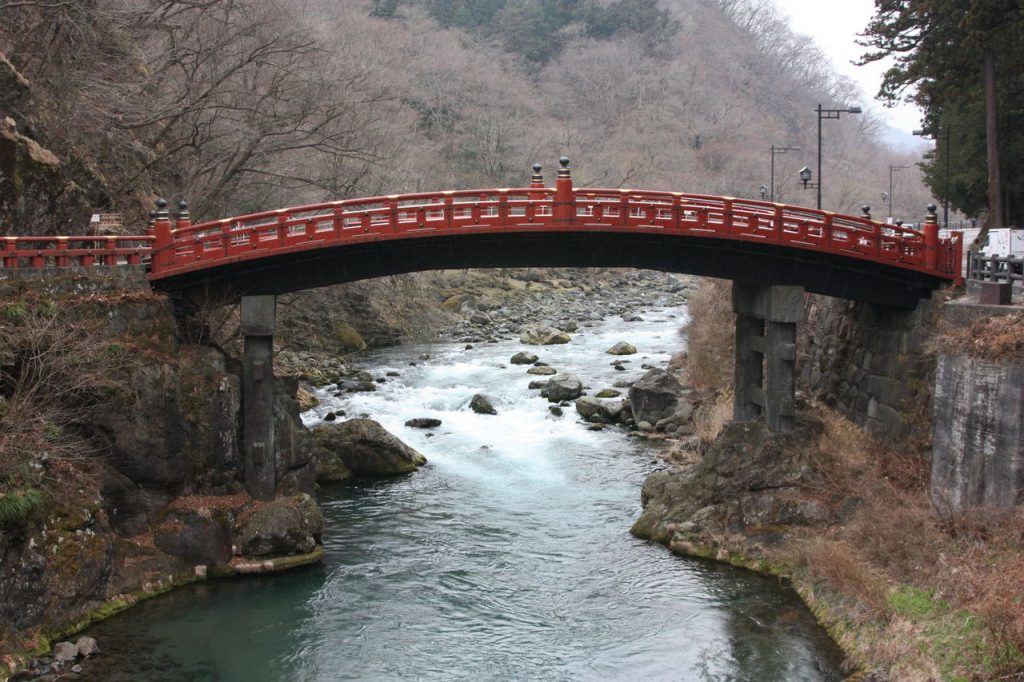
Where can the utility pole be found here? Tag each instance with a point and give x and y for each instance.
(892, 169)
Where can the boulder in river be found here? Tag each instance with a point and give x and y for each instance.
(482, 405)
(423, 423)
(282, 526)
(600, 411)
(524, 358)
(86, 647)
(622, 348)
(654, 397)
(563, 387)
(358, 386)
(539, 335)
(543, 370)
(364, 447)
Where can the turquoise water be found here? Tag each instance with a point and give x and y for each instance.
(506, 558)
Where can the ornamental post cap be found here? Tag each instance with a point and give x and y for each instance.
(564, 161)
(866, 208)
(161, 203)
(537, 168)
(151, 215)
(182, 205)
(931, 208)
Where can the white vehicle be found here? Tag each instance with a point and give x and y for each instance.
(1003, 242)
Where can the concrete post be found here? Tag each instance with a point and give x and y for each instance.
(766, 319)
(258, 322)
(780, 373)
(748, 397)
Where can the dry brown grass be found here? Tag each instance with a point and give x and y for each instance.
(845, 571)
(712, 417)
(710, 335)
(989, 338)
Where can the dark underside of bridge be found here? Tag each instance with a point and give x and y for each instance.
(765, 264)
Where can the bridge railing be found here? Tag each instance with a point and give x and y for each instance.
(185, 247)
(63, 252)
(191, 247)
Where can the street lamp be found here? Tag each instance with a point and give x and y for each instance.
(764, 192)
(829, 113)
(778, 150)
(893, 169)
(945, 191)
(805, 179)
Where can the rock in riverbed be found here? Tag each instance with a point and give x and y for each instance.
(423, 423)
(482, 405)
(563, 387)
(622, 348)
(654, 397)
(365, 448)
(524, 358)
(543, 336)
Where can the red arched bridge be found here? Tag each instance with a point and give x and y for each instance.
(774, 252)
(290, 249)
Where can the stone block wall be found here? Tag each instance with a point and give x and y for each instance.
(870, 363)
(978, 446)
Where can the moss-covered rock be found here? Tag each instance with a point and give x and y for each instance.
(283, 526)
(749, 480)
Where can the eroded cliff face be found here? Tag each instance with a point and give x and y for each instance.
(152, 495)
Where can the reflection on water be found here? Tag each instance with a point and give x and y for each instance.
(506, 557)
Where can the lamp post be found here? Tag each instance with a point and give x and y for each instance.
(778, 150)
(823, 114)
(893, 169)
(947, 135)
(764, 192)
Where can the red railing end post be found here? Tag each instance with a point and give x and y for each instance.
(163, 253)
(537, 180)
(184, 217)
(565, 206)
(931, 239)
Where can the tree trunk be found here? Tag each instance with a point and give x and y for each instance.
(995, 190)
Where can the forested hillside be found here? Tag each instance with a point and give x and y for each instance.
(241, 105)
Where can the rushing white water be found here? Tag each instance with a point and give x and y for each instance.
(506, 557)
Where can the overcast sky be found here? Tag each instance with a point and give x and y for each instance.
(834, 25)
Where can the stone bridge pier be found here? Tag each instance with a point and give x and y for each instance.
(258, 322)
(766, 319)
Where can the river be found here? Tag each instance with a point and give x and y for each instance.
(507, 557)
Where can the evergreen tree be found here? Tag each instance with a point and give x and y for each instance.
(962, 61)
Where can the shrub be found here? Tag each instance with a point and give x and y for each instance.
(54, 371)
(16, 506)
